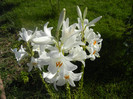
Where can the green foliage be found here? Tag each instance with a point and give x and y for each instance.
(24, 77)
(108, 77)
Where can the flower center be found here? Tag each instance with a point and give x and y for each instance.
(94, 52)
(34, 64)
(66, 76)
(59, 64)
(94, 42)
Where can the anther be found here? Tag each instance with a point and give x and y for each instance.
(66, 76)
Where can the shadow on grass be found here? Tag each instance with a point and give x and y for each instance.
(110, 66)
(7, 6)
(33, 88)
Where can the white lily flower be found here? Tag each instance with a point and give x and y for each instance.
(69, 36)
(32, 64)
(51, 78)
(93, 53)
(69, 77)
(25, 35)
(61, 79)
(19, 54)
(38, 62)
(71, 42)
(47, 31)
(93, 39)
(79, 25)
(43, 37)
(77, 54)
(86, 23)
(67, 30)
(58, 63)
(41, 48)
(95, 42)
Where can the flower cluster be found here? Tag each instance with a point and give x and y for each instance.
(76, 42)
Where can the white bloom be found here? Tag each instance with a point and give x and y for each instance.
(38, 62)
(93, 53)
(79, 25)
(19, 54)
(25, 35)
(77, 54)
(43, 37)
(67, 30)
(32, 64)
(93, 39)
(86, 23)
(63, 78)
(94, 43)
(69, 38)
(58, 63)
(51, 78)
(47, 31)
(69, 77)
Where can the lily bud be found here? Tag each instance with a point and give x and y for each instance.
(85, 13)
(79, 12)
(61, 18)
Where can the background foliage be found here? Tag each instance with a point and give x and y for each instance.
(109, 77)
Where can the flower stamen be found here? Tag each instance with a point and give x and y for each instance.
(34, 64)
(94, 52)
(66, 76)
(94, 42)
(59, 64)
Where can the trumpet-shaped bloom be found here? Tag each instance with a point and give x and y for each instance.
(25, 35)
(32, 64)
(93, 53)
(43, 37)
(68, 31)
(69, 38)
(95, 42)
(38, 62)
(78, 54)
(19, 54)
(58, 63)
(69, 77)
(63, 78)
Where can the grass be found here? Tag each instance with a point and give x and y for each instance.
(107, 77)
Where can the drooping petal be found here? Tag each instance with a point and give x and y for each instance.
(69, 66)
(94, 21)
(71, 82)
(60, 81)
(25, 35)
(19, 54)
(47, 30)
(43, 40)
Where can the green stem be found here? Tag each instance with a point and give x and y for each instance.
(30, 50)
(46, 86)
(68, 91)
(57, 35)
(80, 89)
